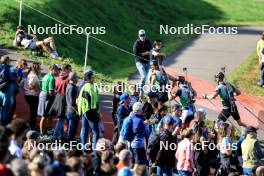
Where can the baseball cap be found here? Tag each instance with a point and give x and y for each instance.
(89, 73)
(141, 32)
(123, 97)
(73, 76)
(251, 129)
(55, 67)
(203, 111)
(137, 107)
(168, 120)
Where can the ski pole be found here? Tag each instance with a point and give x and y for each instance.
(251, 112)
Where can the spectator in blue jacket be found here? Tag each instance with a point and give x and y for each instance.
(141, 133)
(123, 109)
(121, 113)
(134, 132)
(6, 90)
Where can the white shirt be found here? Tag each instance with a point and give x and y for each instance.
(33, 80)
(26, 42)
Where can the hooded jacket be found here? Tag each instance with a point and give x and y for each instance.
(61, 83)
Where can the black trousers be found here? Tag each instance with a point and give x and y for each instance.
(33, 106)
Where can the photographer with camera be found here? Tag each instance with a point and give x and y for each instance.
(186, 95)
(30, 42)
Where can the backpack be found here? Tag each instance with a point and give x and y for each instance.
(4, 77)
(127, 129)
(153, 147)
(132, 127)
(138, 126)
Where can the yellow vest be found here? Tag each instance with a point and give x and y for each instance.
(250, 160)
(83, 104)
(260, 46)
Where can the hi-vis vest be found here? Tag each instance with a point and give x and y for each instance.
(250, 160)
(88, 98)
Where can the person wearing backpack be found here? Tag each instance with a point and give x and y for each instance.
(227, 93)
(6, 90)
(141, 133)
(58, 108)
(135, 131)
(185, 95)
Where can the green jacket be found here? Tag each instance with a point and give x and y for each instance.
(88, 98)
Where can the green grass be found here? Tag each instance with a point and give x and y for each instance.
(122, 20)
(240, 12)
(246, 76)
